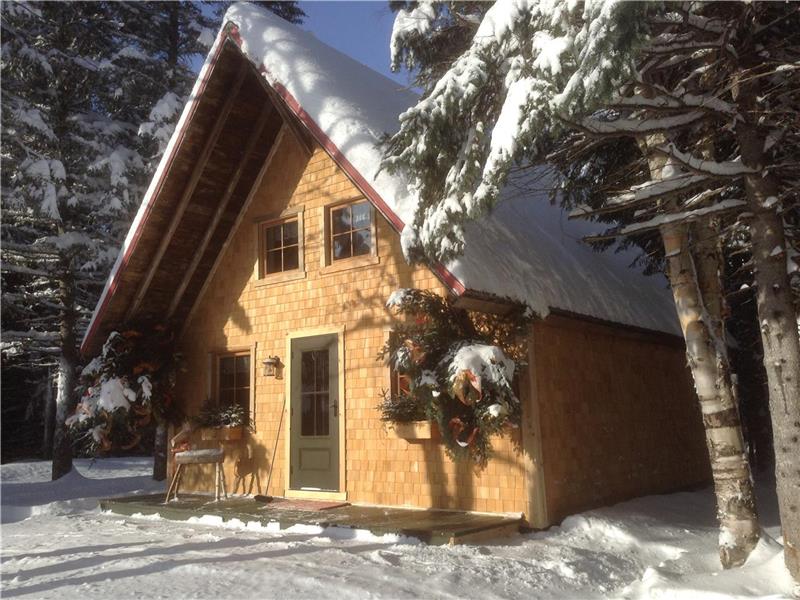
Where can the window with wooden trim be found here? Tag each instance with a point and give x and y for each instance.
(233, 380)
(351, 231)
(280, 244)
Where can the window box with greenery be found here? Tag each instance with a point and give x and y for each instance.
(221, 423)
(405, 413)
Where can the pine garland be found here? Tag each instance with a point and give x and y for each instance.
(460, 369)
(125, 390)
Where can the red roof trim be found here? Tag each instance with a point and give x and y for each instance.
(120, 268)
(340, 159)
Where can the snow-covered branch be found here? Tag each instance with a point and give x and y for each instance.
(668, 102)
(702, 166)
(630, 126)
(650, 190)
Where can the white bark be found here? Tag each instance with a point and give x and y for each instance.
(697, 291)
(733, 485)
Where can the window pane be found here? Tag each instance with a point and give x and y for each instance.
(322, 371)
(226, 376)
(290, 256)
(242, 371)
(242, 398)
(307, 372)
(290, 233)
(273, 237)
(342, 247)
(403, 384)
(226, 397)
(361, 215)
(323, 404)
(362, 242)
(341, 219)
(274, 262)
(307, 414)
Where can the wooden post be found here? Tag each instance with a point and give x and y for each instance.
(532, 444)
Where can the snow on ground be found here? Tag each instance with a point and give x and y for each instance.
(57, 544)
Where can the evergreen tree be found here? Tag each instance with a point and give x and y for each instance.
(167, 37)
(70, 179)
(428, 36)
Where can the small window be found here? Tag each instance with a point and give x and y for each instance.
(351, 231)
(233, 381)
(281, 246)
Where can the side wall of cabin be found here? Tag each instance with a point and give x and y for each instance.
(617, 413)
(238, 312)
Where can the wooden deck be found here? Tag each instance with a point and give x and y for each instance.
(430, 526)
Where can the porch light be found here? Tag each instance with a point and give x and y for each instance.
(271, 364)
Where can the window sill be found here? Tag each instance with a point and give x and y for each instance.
(350, 263)
(278, 278)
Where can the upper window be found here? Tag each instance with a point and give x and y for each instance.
(351, 231)
(281, 246)
(233, 382)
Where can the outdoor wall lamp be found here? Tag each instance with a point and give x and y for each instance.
(271, 366)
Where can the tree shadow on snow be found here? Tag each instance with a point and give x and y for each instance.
(161, 565)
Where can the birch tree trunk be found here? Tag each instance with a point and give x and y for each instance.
(779, 337)
(67, 363)
(733, 485)
(707, 357)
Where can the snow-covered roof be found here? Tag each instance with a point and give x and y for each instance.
(526, 250)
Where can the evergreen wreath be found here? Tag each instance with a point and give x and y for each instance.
(126, 390)
(460, 369)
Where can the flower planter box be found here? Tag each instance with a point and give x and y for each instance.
(225, 434)
(415, 431)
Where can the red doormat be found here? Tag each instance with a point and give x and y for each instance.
(300, 504)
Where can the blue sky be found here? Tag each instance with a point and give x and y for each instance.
(359, 29)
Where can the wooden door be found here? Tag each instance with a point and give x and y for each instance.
(314, 441)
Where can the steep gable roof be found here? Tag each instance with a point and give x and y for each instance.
(525, 250)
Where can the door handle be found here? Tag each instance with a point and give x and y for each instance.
(335, 406)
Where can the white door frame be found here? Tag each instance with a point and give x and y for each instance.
(338, 331)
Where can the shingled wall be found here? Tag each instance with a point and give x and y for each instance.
(237, 312)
